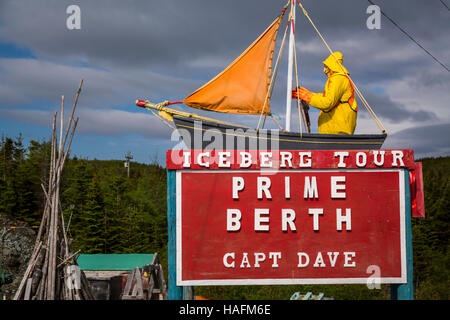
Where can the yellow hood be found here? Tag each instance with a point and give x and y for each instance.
(332, 64)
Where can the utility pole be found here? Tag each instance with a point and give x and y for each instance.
(128, 157)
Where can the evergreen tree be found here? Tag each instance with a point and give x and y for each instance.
(7, 167)
(114, 206)
(115, 214)
(23, 185)
(37, 170)
(74, 196)
(91, 223)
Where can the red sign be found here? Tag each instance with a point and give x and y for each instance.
(297, 159)
(293, 225)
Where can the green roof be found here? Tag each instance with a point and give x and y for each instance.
(113, 261)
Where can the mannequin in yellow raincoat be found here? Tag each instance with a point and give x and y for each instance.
(338, 108)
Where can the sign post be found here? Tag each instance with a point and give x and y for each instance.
(406, 291)
(175, 292)
(289, 217)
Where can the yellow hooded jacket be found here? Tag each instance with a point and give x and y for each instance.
(338, 109)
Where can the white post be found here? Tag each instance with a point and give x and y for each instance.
(290, 69)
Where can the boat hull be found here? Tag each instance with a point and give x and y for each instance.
(200, 134)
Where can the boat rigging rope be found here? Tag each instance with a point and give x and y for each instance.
(365, 103)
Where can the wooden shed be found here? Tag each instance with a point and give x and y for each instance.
(109, 274)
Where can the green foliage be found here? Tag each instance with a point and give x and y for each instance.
(21, 173)
(284, 292)
(112, 213)
(108, 212)
(431, 235)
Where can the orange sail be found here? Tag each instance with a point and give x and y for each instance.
(244, 85)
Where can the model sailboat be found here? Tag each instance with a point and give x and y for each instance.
(245, 87)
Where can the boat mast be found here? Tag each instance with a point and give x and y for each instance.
(290, 68)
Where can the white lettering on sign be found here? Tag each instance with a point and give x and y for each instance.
(259, 258)
(246, 160)
(397, 155)
(315, 213)
(266, 159)
(341, 155)
(287, 219)
(225, 260)
(238, 185)
(376, 161)
(336, 188)
(200, 159)
(361, 159)
(310, 190)
(348, 259)
(274, 256)
(233, 219)
(333, 257)
(303, 259)
(347, 219)
(261, 216)
(287, 187)
(305, 163)
(272, 214)
(245, 263)
(223, 159)
(319, 261)
(263, 187)
(186, 160)
(286, 157)
(290, 160)
(288, 216)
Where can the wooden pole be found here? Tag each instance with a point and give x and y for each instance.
(44, 277)
(175, 292)
(51, 243)
(69, 124)
(28, 271)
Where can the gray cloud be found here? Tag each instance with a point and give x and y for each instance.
(99, 122)
(165, 49)
(427, 141)
(393, 111)
(28, 81)
(170, 32)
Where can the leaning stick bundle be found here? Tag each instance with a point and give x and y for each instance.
(47, 270)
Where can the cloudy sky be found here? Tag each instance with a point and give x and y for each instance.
(165, 49)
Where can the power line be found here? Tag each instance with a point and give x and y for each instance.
(445, 5)
(410, 37)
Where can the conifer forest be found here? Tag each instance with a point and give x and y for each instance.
(108, 212)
